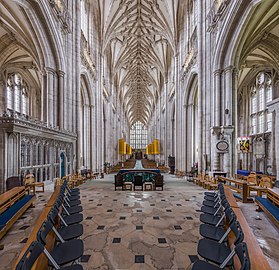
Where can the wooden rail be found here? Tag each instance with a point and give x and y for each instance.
(257, 258)
(42, 262)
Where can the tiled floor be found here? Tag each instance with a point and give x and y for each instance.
(143, 230)
(139, 230)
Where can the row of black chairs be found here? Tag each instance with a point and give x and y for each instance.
(68, 248)
(138, 181)
(214, 248)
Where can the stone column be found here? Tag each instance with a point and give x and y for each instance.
(3, 93)
(273, 107)
(43, 100)
(92, 138)
(228, 157)
(3, 160)
(50, 96)
(228, 95)
(217, 105)
(201, 88)
(215, 131)
(166, 135)
(62, 114)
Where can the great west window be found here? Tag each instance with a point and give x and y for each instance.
(138, 136)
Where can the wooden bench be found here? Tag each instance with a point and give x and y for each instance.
(240, 186)
(8, 198)
(29, 182)
(270, 205)
(42, 262)
(257, 258)
(13, 204)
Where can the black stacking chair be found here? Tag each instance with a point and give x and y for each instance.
(218, 233)
(216, 252)
(71, 200)
(214, 196)
(217, 209)
(68, 219)
(70, 197)
(240, 250)
(138, 182)
(32, 254)
(215, 202)
(62, 253)
(214, 193)
(67, 209)
(118, 181)
(216, 220)
(66, 232)
(71, 191)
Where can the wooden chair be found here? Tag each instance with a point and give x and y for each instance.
(159, 181)
(252, 180)
(138, 182)
(266, 182)
(118, 181)
(29, 182)
(13, 181)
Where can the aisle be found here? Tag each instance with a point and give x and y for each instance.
(138, 165)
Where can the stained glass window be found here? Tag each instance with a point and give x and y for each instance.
(138, 136)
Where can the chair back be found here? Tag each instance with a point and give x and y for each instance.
(118, 178)
(159, 180)
(13, 181)
(266, 182)
(53, 213)
(138, 180)
(44, 231)
(230, 215)
(252, 179)
(29, 179)
(237, 230)
(30, 256)
(242, 253)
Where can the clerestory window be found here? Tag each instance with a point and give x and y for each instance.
(261, 94)
(17, 94)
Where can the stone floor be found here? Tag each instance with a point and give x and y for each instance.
(139, 230)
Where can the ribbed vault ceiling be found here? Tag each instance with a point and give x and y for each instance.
(138, 41)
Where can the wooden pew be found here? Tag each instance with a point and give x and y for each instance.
(10, 197)
(270, 205)
(257, 258)
(42, 262)
(13, 204)
(240, 186)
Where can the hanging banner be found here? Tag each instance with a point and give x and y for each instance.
(244, 144)
(156, 147)
(121, 147)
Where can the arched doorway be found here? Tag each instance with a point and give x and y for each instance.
(63, 167)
